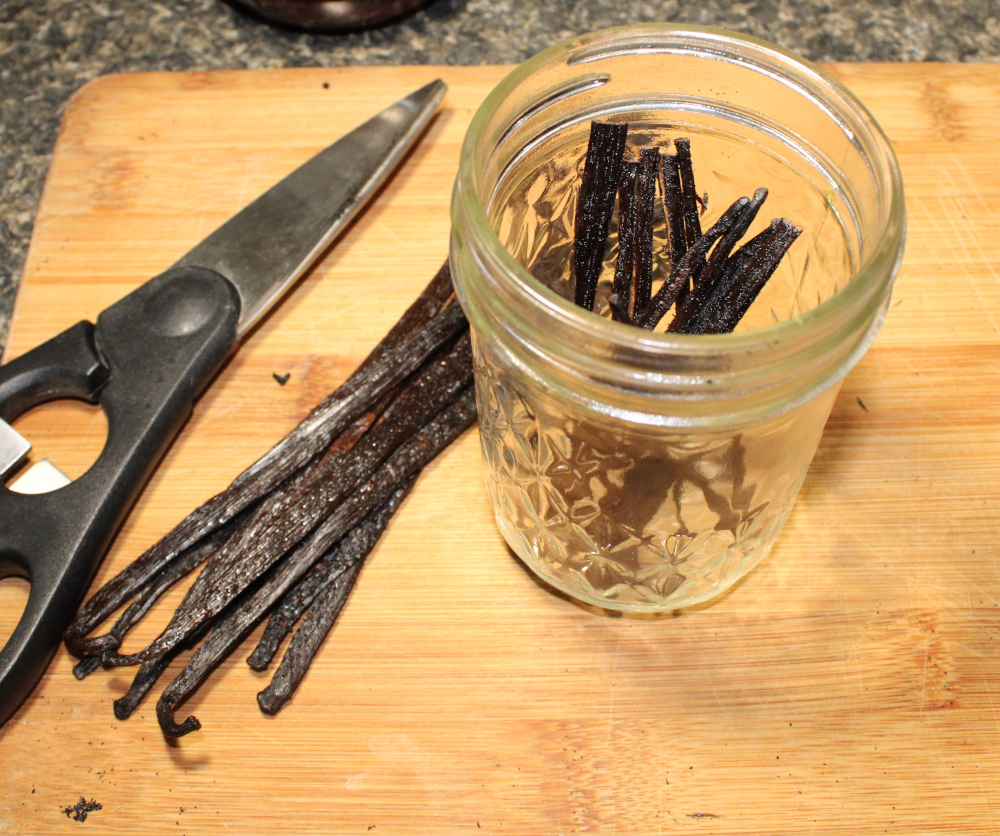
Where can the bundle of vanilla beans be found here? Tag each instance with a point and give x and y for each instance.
(710, 289)
(289, 536)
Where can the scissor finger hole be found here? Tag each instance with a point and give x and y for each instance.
(68, 434)
(13, 600)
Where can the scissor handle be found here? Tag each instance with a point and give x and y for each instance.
(145, 361)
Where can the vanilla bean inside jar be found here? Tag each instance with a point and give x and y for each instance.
(644, 470)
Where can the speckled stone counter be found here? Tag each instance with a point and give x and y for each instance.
(50, 48)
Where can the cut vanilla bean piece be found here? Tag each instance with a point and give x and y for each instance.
(351, 550)
(759, 270)
(431, 320)
(670, 187)
(649, 159)
(689, 192)
(405, 462)
(625, 263)
(667, 294)
(598, 187)
(619, 309)
(325, 604)
(733, 271)
(268, 537)
(688, 313)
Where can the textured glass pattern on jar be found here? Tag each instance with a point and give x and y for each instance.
(628, 515)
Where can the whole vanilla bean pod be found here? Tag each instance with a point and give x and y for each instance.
(649, 159)
(276, 505)
(149, 595)
(270, 536)
(406, 461)
(688, 313)
(286, 614)
(681, 273)
(598, 187)
(307, 640)
(324, 604)
(352, 549)
(431, 320)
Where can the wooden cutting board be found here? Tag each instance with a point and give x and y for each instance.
(850, 685)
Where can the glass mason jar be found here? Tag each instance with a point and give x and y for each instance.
(638, 470)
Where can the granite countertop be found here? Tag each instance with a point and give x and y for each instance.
(50, 48)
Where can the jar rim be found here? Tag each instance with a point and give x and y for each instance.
(868, 283)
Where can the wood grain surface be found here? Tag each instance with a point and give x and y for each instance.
(850, 685)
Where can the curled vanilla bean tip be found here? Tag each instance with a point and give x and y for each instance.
(169, 727)
(86, 666)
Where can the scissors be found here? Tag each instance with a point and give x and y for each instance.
(147, 358)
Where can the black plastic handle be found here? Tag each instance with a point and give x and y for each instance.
(146, 360)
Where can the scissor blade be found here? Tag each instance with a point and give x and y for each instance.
(268, 245)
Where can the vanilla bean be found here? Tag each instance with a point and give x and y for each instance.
(307, 640)
(755, 276)
(625, 263)
(689, 192)
(688, 313)
(649, 159)
(667, 294)
(406, 461)
(351, 550)
(270, 536)
(433, 318)
(714, 310)
(324, 604)
(670, 187)
(619, 309)
(186, 562)
(598, 187)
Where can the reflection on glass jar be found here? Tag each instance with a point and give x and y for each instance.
(647, 471)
